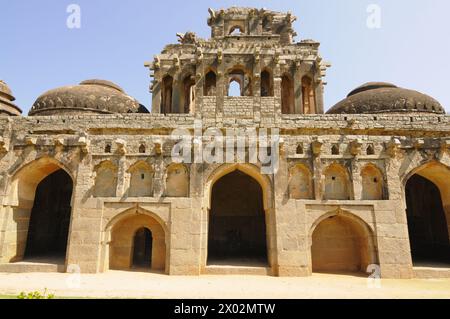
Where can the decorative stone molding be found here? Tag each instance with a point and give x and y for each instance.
(30, 141)
(121, 146)
(316, 147)
(355, 147)
(393, 147)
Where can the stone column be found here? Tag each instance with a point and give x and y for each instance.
(177, 92)
(319, 98)
(85, 233)
(298, 98)
(156, 92)
(199, 87)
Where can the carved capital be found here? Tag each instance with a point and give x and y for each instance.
(355, 147)
(316, 147)
(393, 147)
(121, 146)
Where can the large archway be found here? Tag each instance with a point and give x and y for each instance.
(427, 194)
(39, 199)
(48, 229)
(237, 224)
(341, 243)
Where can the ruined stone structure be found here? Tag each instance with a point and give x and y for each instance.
(88, 178)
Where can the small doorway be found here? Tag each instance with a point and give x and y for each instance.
(142, 249)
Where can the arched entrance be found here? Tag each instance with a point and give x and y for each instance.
(50, 217)
(237, 224)
(137, 241)
(341, 244)
(427, 201)
(142, 248)
(39, 199)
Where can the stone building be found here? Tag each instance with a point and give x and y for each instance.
(88, 177)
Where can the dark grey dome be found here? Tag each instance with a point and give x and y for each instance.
(90, 96)
(381, 97)
(7, 107)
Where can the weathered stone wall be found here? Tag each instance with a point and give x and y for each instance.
(32, 148)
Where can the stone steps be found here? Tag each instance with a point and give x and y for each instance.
(431, 272)
(237, 270)
(28, 267)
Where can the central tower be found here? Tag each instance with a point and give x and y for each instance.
(249, 48)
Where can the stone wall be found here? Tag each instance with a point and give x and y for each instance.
(32, 148)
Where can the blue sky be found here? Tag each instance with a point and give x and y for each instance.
(38, 52)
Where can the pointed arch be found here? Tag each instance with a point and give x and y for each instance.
(177, 181)
(40, 191)
(209, 88)
(266, 83)
(141, 179)
(105, 184)
(300, 182)
(427, 197)
(249, 169)
(341, 241)
(373, 183)
(337, 185)
(119, 236)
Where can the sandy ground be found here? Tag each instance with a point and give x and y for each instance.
(115, 284)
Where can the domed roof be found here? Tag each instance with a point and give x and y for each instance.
(381, 97)
(7, 107)
(90, 96)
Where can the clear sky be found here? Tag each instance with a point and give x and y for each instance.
(39, 52)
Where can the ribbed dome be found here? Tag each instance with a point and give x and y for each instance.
(7, 107)
(381, 97)
(90, 96)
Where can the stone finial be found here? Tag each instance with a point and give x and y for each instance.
(121, 146)
(187, 38)
(316, 147)
(156, 63)
(355, 147)
(212, 16)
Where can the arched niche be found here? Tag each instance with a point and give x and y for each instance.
(177, 181)
(105, 179)
(373, 186)
(300, 182)
(120, 235)
(141, 180)
(337, 184)
(40, 198)
(341, 242)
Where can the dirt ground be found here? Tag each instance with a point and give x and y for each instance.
(117, 284)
